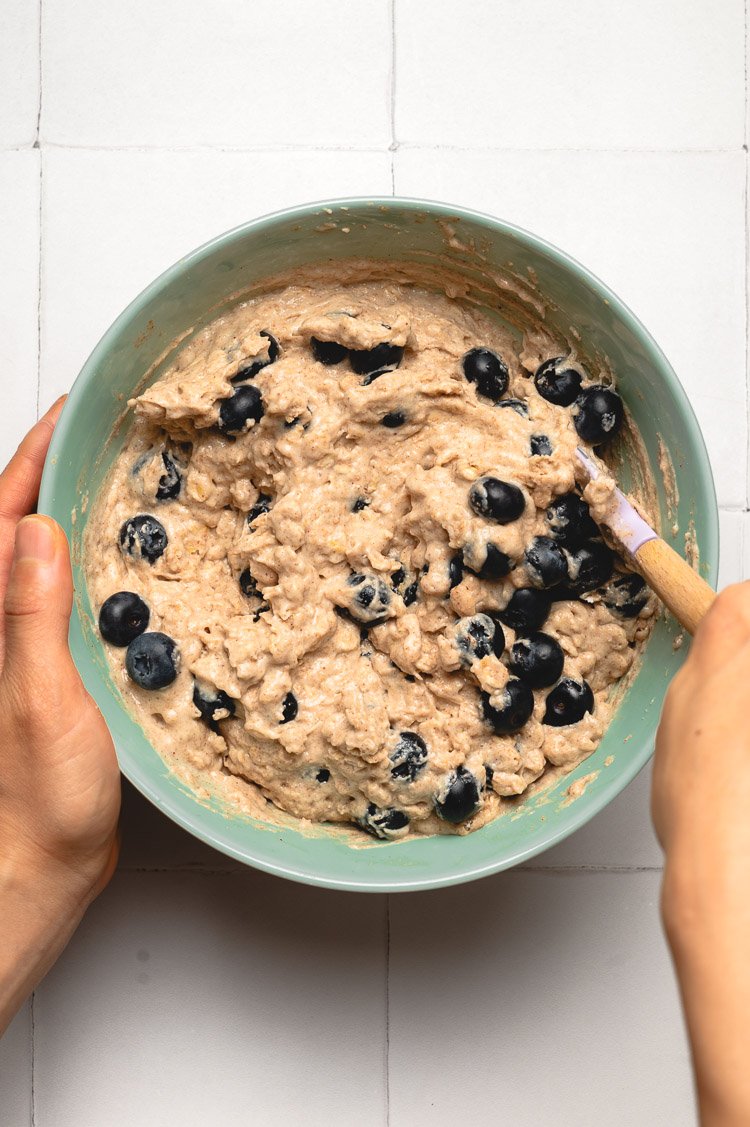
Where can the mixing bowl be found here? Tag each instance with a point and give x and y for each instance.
(213, 278)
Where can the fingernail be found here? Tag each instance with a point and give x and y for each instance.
(35, 541)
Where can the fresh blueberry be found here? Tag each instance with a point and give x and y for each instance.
(455, 569)
(123, 616)
(210, 703)
(394, 419)
(385, 355)
(569, 521)
(556, 383)
(568, 702)
(489, 775)
(409, 757)
(398, 577)
(372, 376)
(328, 352)
(358, 504)
(152, 660)
(627, 595)
(540, 445)
(459, 799)
(497, 500)
(411, 593)
(323, 775)
(516, 704)
(488, 371)
(143, 537)
(478, 636)
(496, 564)
(289, 708)
(590, 566)
(546, 562)
(599, 414)
(261, 506)
(384, 823)
(518, 405)
(252, 368)
(526, 609)
(371, 598)
(241, 410)
(170, 482)
(538, 659)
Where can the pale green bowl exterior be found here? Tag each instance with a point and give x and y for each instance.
(398, 229)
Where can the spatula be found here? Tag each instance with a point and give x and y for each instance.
(671, 577)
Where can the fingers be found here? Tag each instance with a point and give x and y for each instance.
(38, 602)
(19, 483)
(726, 628)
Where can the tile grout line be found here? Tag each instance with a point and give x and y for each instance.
(392, 98)
(747, 294)
(37, 145)
(393, 146)
(33, 1059)
(387, 1011)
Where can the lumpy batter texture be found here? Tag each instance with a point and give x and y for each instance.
(343, 564)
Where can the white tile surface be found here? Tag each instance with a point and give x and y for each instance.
(19, 74)
(733, 541)
(15, 1071)
(232, 1000)
(553, 74)
(114, 221)
(533, 998)
(274, 72)
(664, 230)
(19, 295)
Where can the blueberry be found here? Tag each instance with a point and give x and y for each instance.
(590, 566)
(516, 707)
(496, 564)
(385, 355)
(372, 376)
(241, 410)
(489, 775)
(526, 609)
(398, 577)
(323, 775)
(289, 708)
(627, 595)
(599, 413)
(328, 352)
(210, 703)
(409, 756)
(143, 537)
(455, 569)
(460, 797)
(170, 482)
(540, 445)
(371, 598)
(556, 383)
(358, 504)
(518, 405)
(261, 506)
(538, 659)
(251, 369)
(497, 500)
(394, 419)
(384, 823)
(123, 616)
(477, 637)
(488, 371)
(248, 585)
(546, 562)
(568, 702)
(152, 660)
(569, 521)
(411, 593)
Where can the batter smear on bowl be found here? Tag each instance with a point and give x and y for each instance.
(342, 562)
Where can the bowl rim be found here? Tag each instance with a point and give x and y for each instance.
(578, 814)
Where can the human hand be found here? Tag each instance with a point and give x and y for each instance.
(59, 779)
(701, 811)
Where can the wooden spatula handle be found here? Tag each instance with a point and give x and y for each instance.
(672, 578)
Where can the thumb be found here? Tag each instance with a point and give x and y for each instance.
(38, 603)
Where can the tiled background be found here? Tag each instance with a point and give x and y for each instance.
(197, 992)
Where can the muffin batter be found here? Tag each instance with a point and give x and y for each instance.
(342, 562)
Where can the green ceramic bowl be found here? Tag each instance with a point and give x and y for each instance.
(188, 295)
